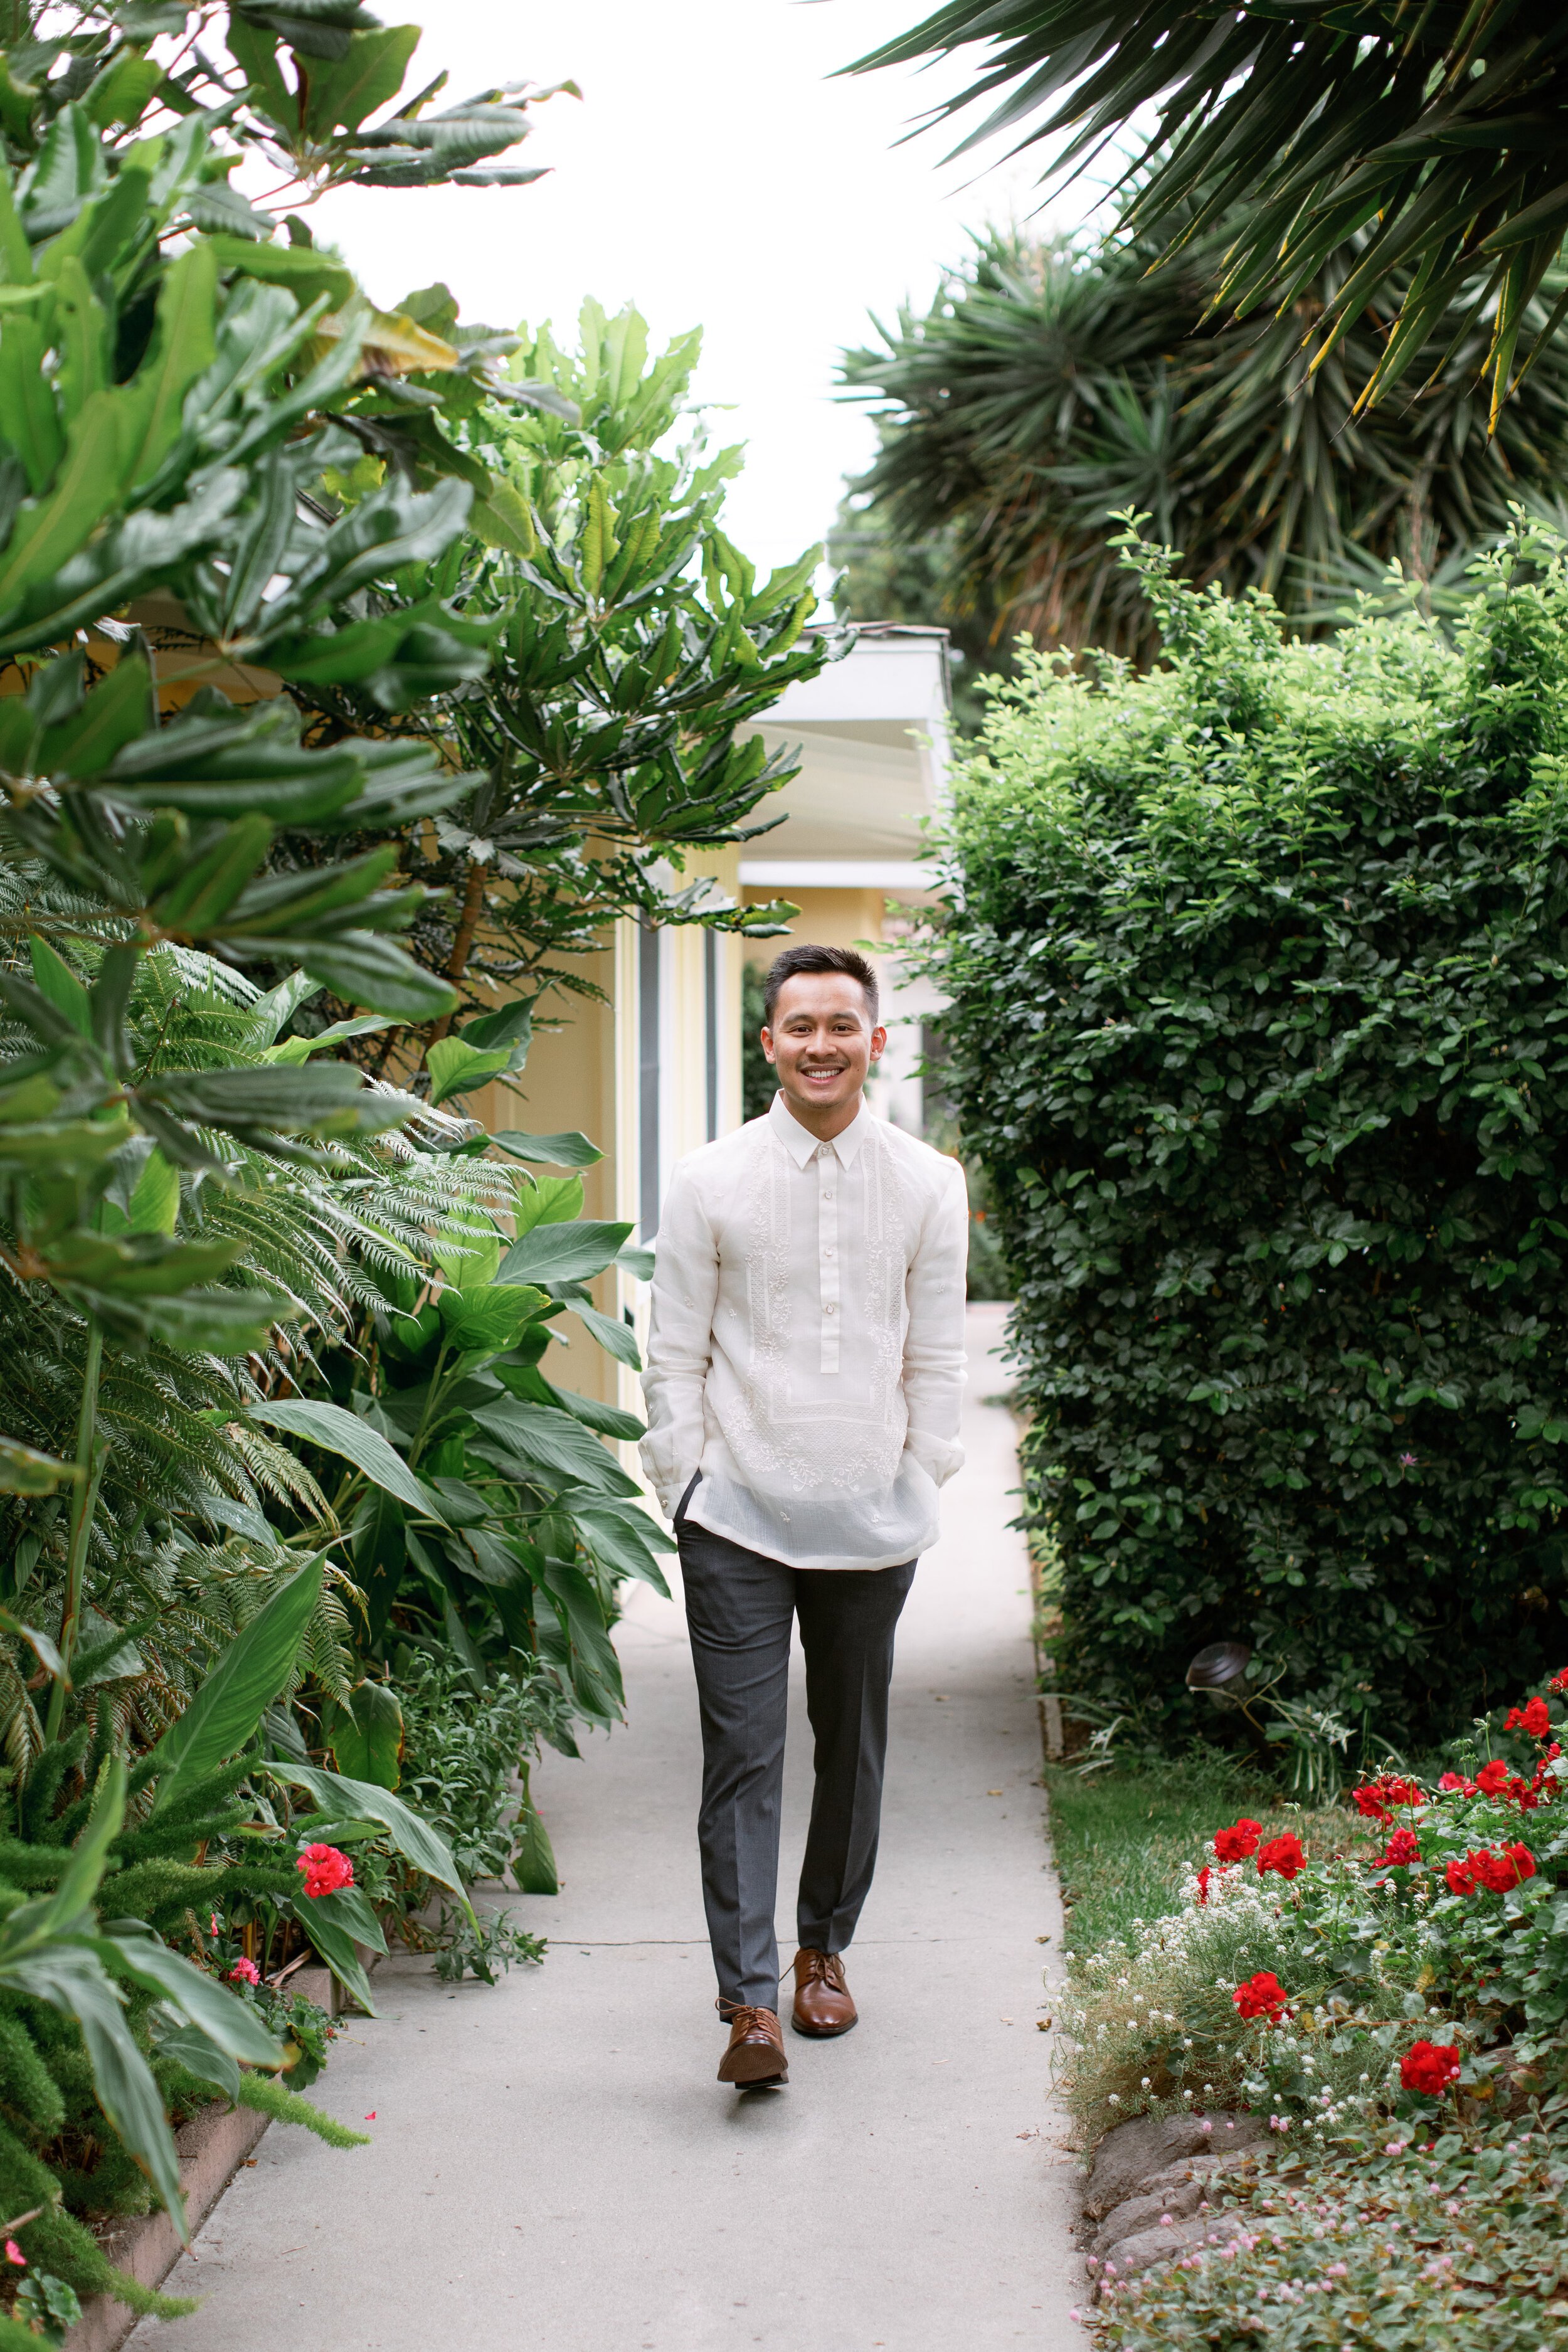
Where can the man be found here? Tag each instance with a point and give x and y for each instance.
(805, 1363)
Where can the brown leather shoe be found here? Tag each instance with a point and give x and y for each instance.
(822, 2002)
(756, 2052)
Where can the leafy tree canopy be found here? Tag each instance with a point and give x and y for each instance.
(1049, 386)
(1429, 141)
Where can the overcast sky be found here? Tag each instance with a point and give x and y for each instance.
(717, 175)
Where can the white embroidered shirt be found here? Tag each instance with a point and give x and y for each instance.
(807, 1347)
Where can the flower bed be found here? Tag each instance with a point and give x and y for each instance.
(1389, 2000)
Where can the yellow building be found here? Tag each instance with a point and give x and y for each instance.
(656, 1070)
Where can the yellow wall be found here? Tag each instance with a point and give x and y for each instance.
(829, 919)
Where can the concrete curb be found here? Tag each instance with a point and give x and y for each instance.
(211, 2146)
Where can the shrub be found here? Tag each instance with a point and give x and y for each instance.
(1255, 967)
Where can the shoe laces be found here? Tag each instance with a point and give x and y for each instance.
(820, 1968)
(745, 2017)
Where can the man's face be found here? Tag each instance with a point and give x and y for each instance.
(822, 1043)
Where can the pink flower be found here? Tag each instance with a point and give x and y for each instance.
(13, 2254)
(245, 1972)
(215, 1923)
(325, 1869)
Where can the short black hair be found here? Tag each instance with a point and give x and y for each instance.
(805, 958)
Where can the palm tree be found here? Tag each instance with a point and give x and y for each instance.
(1051, 386)
(1435, 133)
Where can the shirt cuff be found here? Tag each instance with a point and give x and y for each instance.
(937, 1456)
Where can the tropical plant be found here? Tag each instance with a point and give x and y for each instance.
(1254, 975)
(174, 385)
(1050, 386)
(107, 2029)
(1427, 144)
(629, 645)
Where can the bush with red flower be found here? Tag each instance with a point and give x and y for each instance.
(325, 1871)
(1262, 1995)
(1429, 2068)
(1282, 1855)
(1235, 1844)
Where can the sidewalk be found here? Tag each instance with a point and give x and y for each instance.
(555, 2168)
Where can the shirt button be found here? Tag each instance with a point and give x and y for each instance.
(827, 1311)
(828, 1196)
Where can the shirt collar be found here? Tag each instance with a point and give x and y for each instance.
(800, 1142)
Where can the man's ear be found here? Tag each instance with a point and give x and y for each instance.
(767, 1038)
(878, 1043)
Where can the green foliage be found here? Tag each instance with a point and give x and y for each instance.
(630, 646)
(1461, 2252)
(759, 1081)
(1256, 981)
(1415, 142)
(463, 1747)
(1049, 386)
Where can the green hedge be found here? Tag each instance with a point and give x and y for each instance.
(1257, 967)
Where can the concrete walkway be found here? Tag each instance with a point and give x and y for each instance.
(555, 2168)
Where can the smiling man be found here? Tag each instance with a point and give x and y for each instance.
(805, 1364)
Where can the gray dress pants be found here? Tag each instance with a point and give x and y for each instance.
(741, 1607)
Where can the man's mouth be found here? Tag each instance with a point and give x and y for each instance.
(823, 1070)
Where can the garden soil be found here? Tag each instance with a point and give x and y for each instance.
(553, 2166)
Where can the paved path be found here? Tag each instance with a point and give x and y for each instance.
(555, 2168)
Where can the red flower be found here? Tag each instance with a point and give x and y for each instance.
(1403, 1847)
(1376, 1798)
(1204, 1874)
(1500, 1872)
(13, 2254)
(1429, 2068)
(325, 1869)
(1493, 1778)
(1237, 1842)
(1461, 1876)
(1534, 1717)
(246, 1972)
(1456, 1780)
(1261, 1996)
(1283, 1854)
(1559, 1681)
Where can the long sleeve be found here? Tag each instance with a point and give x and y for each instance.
(680, 1340)
(934, 1355)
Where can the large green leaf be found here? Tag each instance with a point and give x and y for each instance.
(199, 2054)
(336, 1947)
(344, 1433)
(533, 1862)
(341, 1798)
(25, 1471)
(69, 1978)
(569, 1149)
(543, 1440)
(490, 1317)
(619, 1541)
(144, 1960)
(224, 1713)
(457, 1068)
(366, 1735)
(562, 1253)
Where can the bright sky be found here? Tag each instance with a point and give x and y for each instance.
(715, 176)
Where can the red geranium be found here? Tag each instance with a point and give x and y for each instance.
(1283, 1854)
(1501, 1871)
(1534, 1717)
(1429, 2068)
(1451, 1782)
(245, 1972)
(1377, 1798)
(1559, 1681)
(1403, 1847)
(1261, 1996)
(1237, 1842)
(1461, 1876)
(1492, 1779)
(325, 1869)
(1204, 1874)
